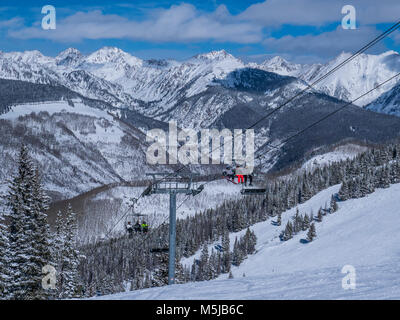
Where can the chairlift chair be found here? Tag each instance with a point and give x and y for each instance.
(253, 188)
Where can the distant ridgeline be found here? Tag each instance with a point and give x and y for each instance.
(17, 92)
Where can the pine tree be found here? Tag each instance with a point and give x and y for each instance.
(279, 220)
(306, 222)
(58, 246)
(230, 275)
(213, 262)
(237, 254)
(251, 241)
(29, 232)
(288, 232)
(311, 234)
(204, 267)
(320, 215)
(160, 275)
(344, 191)
(4, 261)
(334, 206)
(69, 260)
(226, 257)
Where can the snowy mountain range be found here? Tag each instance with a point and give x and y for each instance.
(352, 80)
(212, 90)
(155, 87)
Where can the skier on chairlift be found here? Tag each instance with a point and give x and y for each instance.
(129, 228)
(137, 226)
(245, 172)
(229, 172)
(145, 227)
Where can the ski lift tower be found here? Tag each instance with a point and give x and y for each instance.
(172, 184)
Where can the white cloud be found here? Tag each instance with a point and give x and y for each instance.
(177, 24)
(275, 13)
(327, 44)
(12, 23)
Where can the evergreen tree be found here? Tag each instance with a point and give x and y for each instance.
(29, 232)
(237, 254)
(226, 257)
(58, 246)
(4, 261)
(306, 222)
(288, 232)
(160, 275)
(344, 191)
(69, 260)
(204, 271)
(334, 206)
(311, 234)
(320, 215)
(251, 241)
(213, 265)
(279, 220)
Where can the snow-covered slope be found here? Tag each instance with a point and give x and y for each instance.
(358, 76)
(280, 66)
(77, 146)
(353, 79)
(388, 102)
(348, 151)
(363, 233)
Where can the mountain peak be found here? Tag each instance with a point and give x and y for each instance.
(281, 66)
(70, 56)
(69, 51)
(277, 59)
(113, 55)
(215, 55)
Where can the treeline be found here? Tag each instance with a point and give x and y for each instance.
(129, 263)
(121, 264)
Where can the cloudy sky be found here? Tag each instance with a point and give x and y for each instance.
(300, 30)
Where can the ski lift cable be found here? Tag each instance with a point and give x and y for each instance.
(353, 56)
(309, 86)
(322, 119)
(297, 134)
(291, 137)
(130, 207)
(333, 70)
(146, 237)
(330, 114)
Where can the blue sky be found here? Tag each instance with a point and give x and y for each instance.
(299, 30)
